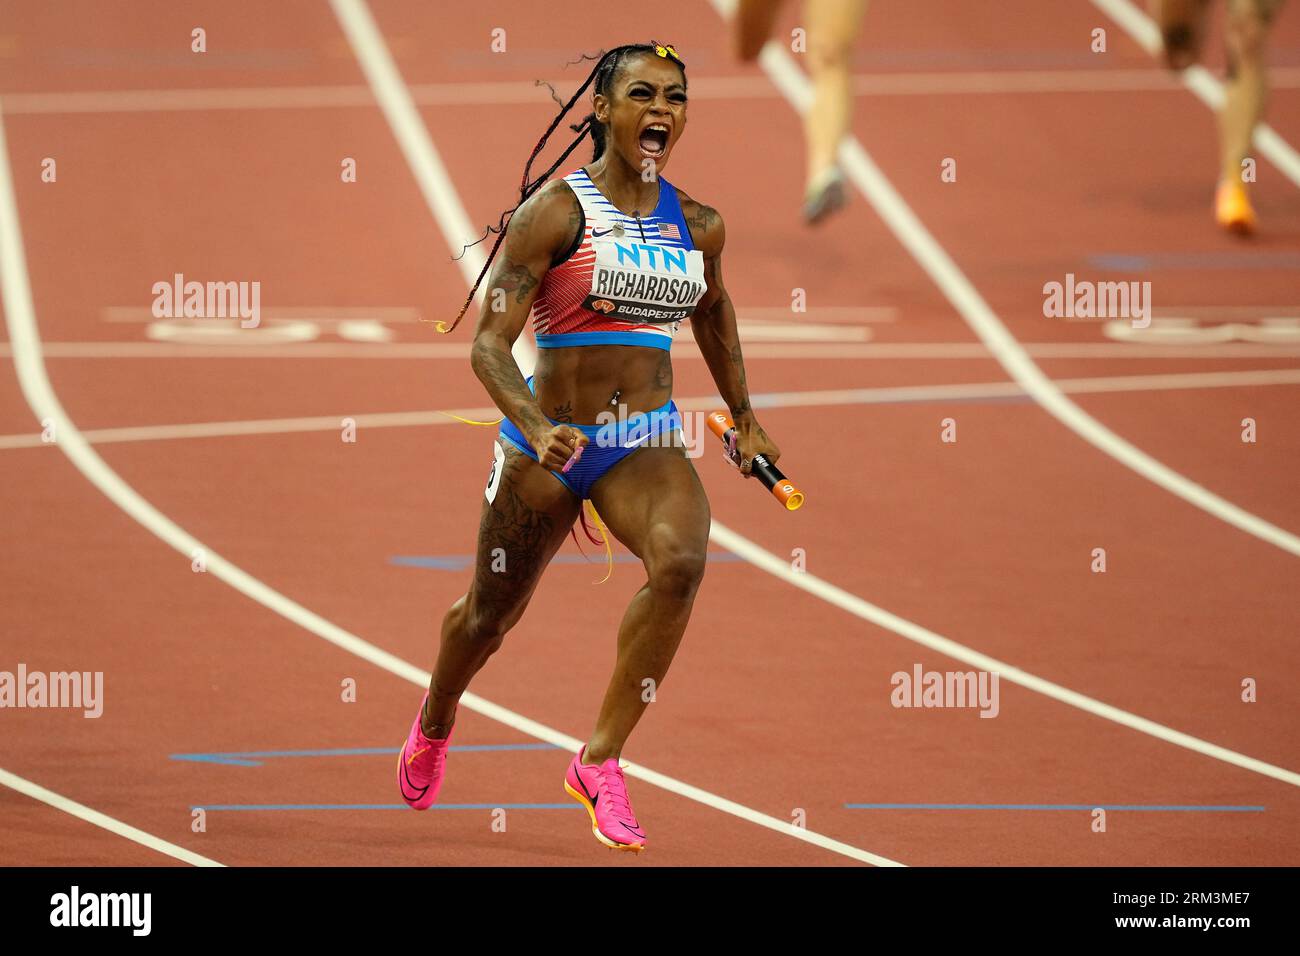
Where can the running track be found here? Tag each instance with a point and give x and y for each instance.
(225, 165)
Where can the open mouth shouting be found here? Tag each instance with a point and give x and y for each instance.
(654, 141)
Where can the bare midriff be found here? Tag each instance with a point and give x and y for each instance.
(575, 384)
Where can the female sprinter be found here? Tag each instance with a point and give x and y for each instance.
(1246, 27)
(609, 260)
(832, 27)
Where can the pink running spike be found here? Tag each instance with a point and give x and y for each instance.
(420, 765)
(603, 792)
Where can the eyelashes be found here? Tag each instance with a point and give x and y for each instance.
(644, 91)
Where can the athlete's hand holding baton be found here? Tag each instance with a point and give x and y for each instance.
(559, 447)
(759, 464)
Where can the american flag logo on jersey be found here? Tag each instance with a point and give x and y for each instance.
(668, 230)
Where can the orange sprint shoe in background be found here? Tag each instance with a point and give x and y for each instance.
(1232, 208)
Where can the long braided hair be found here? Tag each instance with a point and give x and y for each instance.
(600, 79)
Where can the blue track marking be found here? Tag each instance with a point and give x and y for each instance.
(211, 807)
(254, 758)
(458, 562)
(1243, 259)
(774, 400)
(1147, 807)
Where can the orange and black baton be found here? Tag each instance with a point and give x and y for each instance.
(782, 488)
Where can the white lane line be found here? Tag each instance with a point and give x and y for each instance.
(797, 332)
(1160, 383)
(324, 315)
(850, 396)
(843, 314)
(683, 349)
(170, 100)
(1109, 383)
(977, 313)
(421, 155)
(24, 335)
(101, 820)
(1146, 33)
(258, 426)
(525, 93)
(298, 350)
(856, 606)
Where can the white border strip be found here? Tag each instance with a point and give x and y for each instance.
(959, 291)
(1146, 33)
(102, 820)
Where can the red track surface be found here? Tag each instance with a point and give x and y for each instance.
(778, 700)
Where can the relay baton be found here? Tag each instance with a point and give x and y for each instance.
(782, 488)
(573, 459)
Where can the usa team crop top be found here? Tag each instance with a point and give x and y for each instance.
(629, 281)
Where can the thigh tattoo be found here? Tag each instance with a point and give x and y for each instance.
(513, 539)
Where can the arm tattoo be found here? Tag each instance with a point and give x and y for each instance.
(517, 278)
(702, 218)
(739, 363)
(498, 370)
(511, 275)
(717, 331)
(713, 279)
(576, 219)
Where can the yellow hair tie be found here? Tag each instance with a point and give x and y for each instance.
(609, 553)
(469, 421)
(604, 537)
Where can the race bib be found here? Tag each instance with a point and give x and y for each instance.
(639, 282)
(494, 476)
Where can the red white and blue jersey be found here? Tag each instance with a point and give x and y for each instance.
(629, 281)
